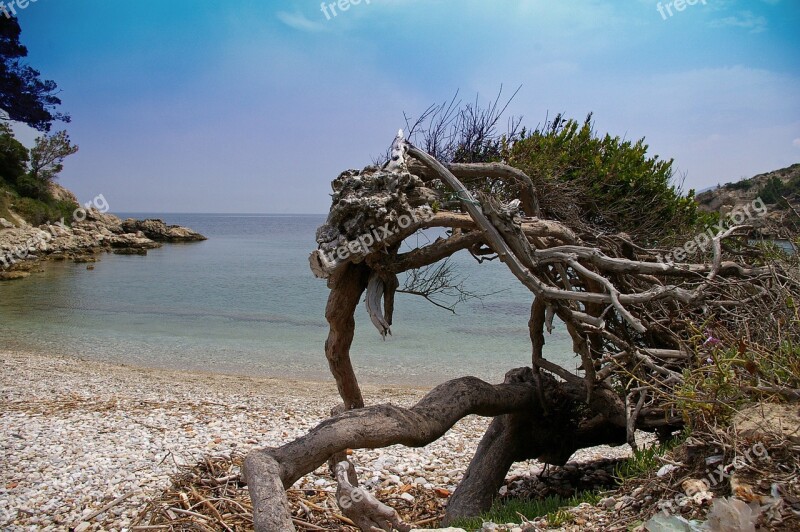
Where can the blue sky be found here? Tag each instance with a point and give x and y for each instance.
(254, 106)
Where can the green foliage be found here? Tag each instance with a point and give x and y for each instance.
(29, 191)
(509, 511)
(5, 201)
(38, 212)
(744, 184)
(775, 189)
(644, 460)
(612, 183)
(29, 187)
(48, 154)
(772, 192)
(23, 95)
(730, 370)
(13, 156)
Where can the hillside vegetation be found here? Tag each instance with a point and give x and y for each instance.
(779, 190)
(27, 186)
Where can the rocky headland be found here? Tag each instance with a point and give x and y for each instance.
(23, 247)
(779, 191)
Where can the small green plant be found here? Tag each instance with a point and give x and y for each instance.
(510, 510)
(559, 518)
(644, 460)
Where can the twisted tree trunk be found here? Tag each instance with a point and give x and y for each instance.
(347, 285)
(619, 305)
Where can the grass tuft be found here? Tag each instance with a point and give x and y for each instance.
(513, 510)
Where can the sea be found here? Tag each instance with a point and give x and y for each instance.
(245, 302)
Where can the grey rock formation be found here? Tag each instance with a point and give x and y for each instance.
(20, 246)
(158, 231)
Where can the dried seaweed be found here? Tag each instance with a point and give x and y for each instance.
(211, 496)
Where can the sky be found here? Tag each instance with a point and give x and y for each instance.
(249, 106)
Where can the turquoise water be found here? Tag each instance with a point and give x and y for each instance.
(245, 302)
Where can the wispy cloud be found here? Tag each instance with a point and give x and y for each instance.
(744, 19)
(796, 142)
(298, 21)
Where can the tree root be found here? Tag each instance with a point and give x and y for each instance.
(384, 425)
(361, 507)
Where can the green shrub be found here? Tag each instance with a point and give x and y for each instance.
(773, 191)
(30, 187)
(744, 184)
(607, 182)
(38, 212)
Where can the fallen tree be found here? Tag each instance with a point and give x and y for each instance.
(632, 319)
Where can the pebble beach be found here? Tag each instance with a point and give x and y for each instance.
(85, 444)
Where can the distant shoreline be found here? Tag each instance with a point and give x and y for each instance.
(24, 246)
(210, 376)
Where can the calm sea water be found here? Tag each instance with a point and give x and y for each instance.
(245, 302)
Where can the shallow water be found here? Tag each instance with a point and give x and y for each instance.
(245, 302)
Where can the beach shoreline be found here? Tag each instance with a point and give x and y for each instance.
(79, 434)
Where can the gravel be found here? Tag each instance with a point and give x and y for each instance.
(86, 444)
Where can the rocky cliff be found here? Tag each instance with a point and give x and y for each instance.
(779, 191)
(23, 247)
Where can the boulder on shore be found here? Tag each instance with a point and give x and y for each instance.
(158, 231)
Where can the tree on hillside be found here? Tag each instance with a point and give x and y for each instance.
(48, 154)
(46, 160)
(24, 96)
(650, 337)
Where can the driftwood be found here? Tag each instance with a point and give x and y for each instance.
(624, 309)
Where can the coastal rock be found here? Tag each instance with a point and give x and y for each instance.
(102, 220)
(135, 240)
(130, 251)
(160, 232)
(777, 219)
(5, 224)
(96, 232)
(13, 276)
(60, 193)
